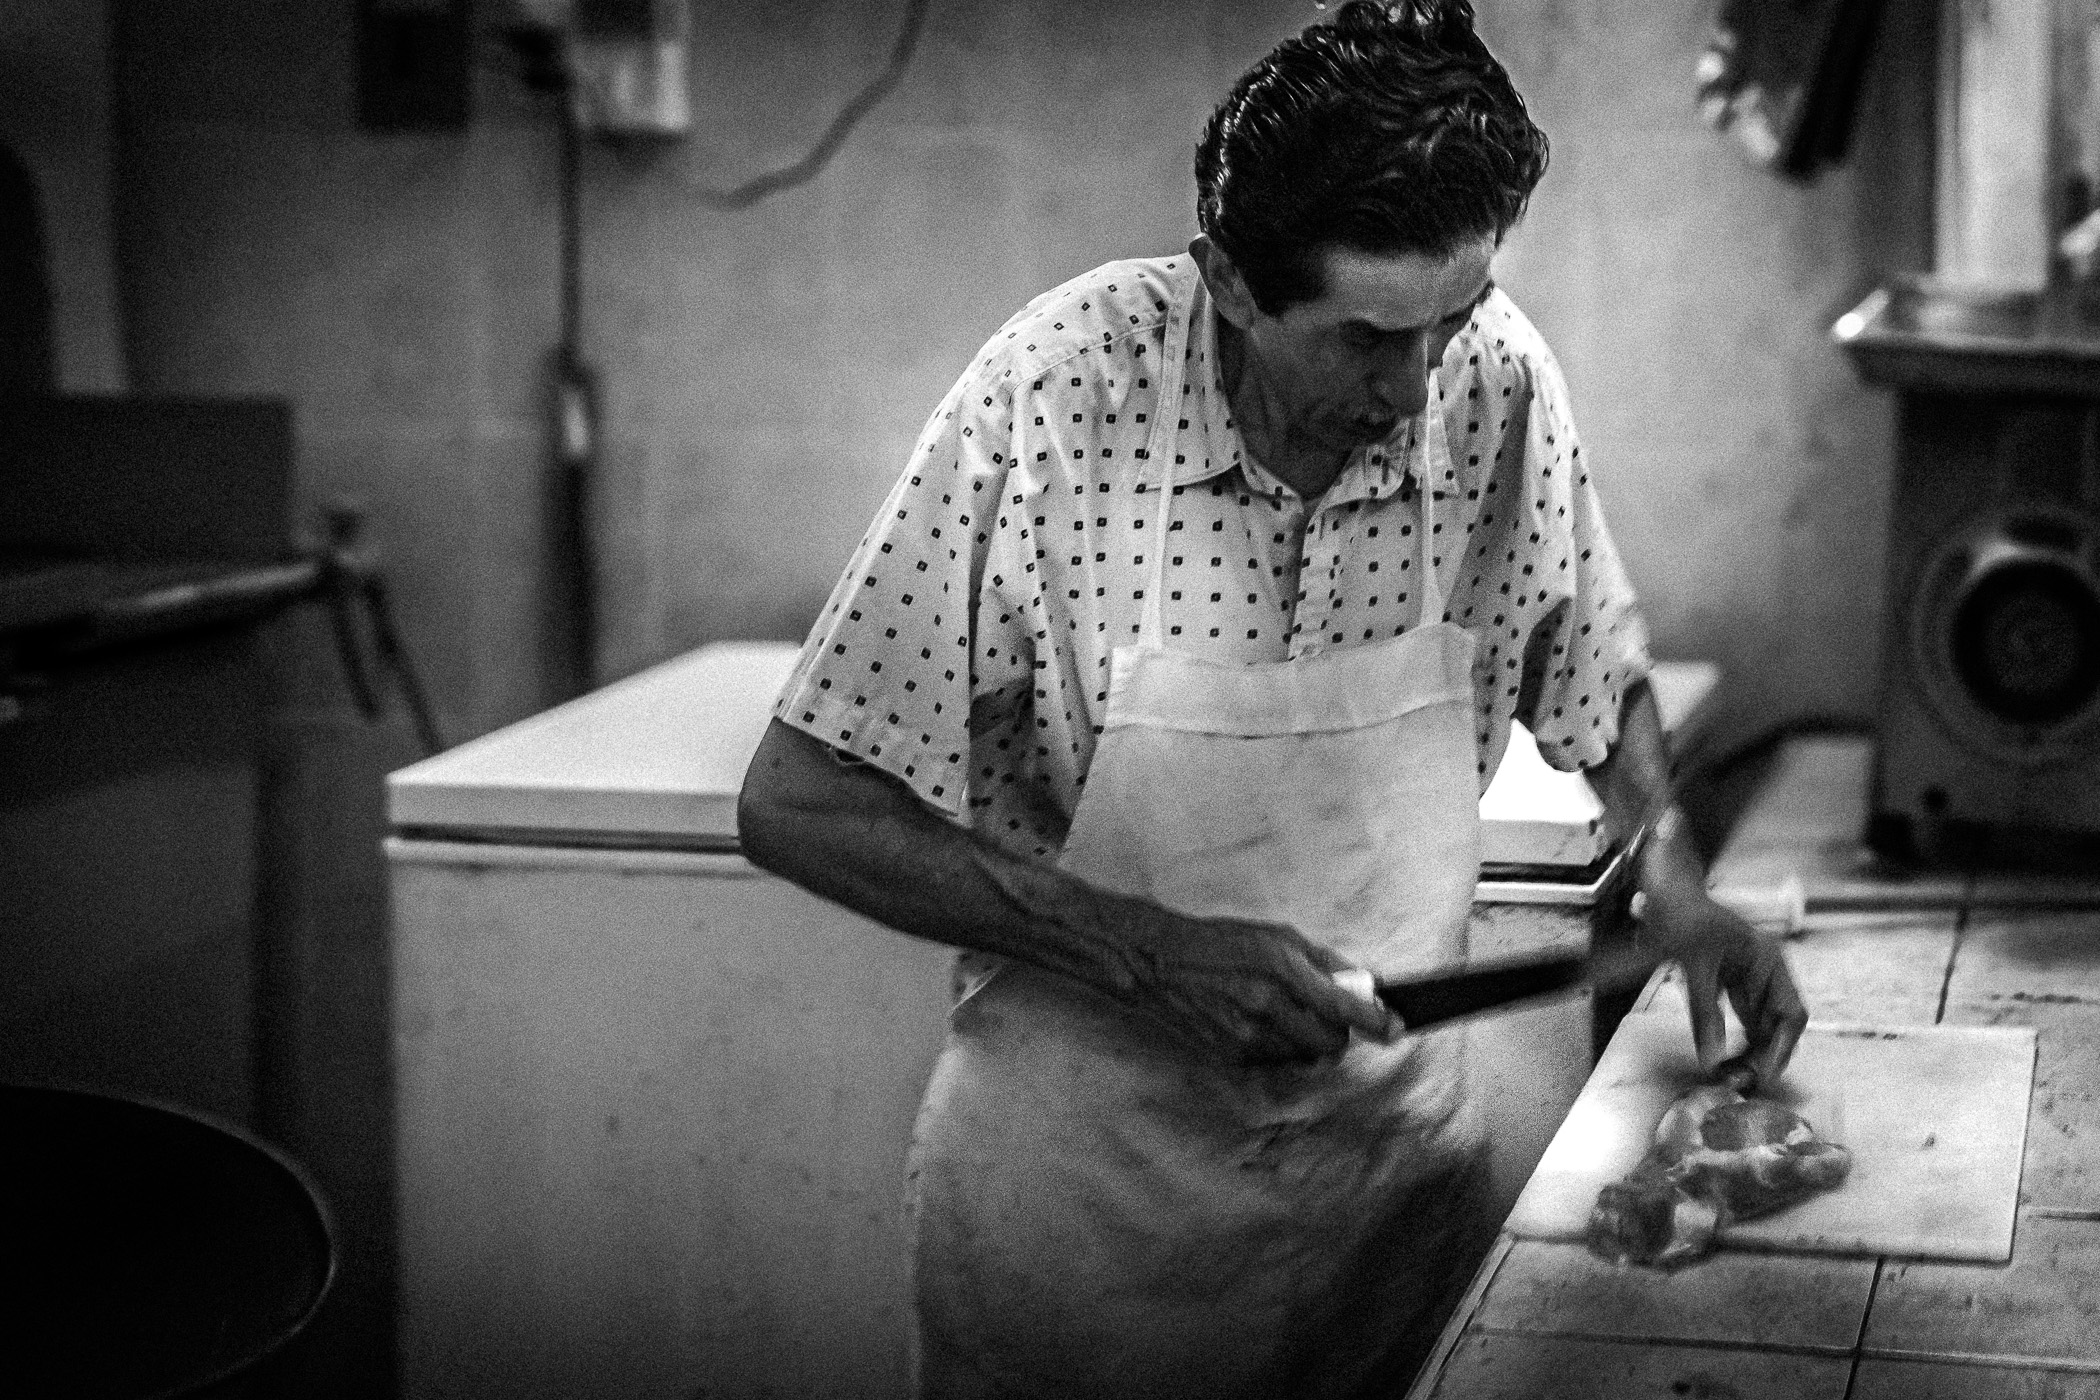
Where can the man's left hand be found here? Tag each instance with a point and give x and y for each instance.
(1720, 951)
(1717, 948)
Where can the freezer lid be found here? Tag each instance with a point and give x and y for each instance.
(652, 760)
(655, 760)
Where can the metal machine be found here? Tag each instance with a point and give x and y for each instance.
(1989, 717)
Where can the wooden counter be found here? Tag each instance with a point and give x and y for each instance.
(1546, 1319)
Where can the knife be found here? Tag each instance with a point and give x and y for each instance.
(1449, 993)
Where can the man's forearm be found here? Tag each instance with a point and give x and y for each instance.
(1639, 796)
(854, 835)
(1716, 948)
(1251, 991)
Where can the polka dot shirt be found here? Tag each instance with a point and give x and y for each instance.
(966, 648)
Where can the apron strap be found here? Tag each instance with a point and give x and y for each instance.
(1430, 464)
(1160, 448)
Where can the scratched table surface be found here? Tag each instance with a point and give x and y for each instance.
(1549, 1319)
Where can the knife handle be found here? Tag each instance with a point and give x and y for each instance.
(1358, 981)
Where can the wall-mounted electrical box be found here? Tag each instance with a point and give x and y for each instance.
(628, 66)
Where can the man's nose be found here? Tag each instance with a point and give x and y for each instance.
(1400, 379)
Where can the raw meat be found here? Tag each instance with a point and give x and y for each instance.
(1718, 1157)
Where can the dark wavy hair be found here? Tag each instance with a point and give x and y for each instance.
(1388, 129)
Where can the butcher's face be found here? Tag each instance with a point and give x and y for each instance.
(1346, 368)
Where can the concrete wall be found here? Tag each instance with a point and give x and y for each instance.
(766, 369)
(1689, 296)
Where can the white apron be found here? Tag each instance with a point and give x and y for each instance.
(1101, 1210)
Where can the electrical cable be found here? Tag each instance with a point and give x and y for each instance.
(802, 171)
(1764, 742)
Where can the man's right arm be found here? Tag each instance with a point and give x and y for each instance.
(1248, 992)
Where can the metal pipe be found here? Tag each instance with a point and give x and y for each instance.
(338, 573)
(177, 606)
(575, 422)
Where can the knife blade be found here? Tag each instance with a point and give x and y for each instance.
(1449, 993)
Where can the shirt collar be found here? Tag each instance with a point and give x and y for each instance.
(1201, 433)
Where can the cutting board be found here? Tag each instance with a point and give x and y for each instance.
(1935, 1116)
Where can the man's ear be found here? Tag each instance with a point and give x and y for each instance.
(1228, 290)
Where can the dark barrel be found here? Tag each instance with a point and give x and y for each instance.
(148, 1251)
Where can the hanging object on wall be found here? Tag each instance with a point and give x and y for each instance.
(624, 63)
(627, 62)
(1783, 79)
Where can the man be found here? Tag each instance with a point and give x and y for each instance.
(1165, 685)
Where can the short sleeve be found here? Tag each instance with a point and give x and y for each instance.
(888, 672)
(1583, 658)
